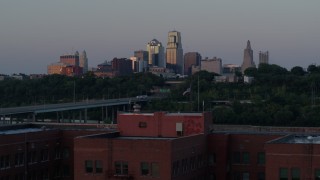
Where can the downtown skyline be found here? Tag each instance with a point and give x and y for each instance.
(35, 33)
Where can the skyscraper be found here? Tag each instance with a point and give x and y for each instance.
(264, 57)
(175, 52)
(84, 61)
(156, 53)
(190, 59)
(247, 58)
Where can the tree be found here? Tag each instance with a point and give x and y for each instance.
(298, 71)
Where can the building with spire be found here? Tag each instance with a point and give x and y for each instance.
(263, 57)
(83, 62)
(156, 53)
(175, 52)
(247, 58)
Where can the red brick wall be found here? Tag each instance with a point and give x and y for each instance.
(161, 124)
(224, 145)
(303, 156)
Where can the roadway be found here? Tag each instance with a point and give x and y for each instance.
(44, 108)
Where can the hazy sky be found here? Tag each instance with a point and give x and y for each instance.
(35, 33)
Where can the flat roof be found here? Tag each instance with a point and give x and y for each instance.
(298, 139)
(20, 131)
(145, 138)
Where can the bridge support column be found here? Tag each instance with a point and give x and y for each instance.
(80, 116)
(85, 115)
(62, 118)
(101, 116)
(112, 115)
(58, 119)
(34, 118)
(107, 113)
(10, 119)
(3, 119)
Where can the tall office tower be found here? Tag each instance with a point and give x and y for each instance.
(264, 57)
(247, 58)
(191, 59)
(213, 65)
(175, 52)
(140, 61)
(70, 59)
(84, 61)
(156, 53)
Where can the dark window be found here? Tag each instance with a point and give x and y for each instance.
(144, 168)
(261, 176)
(193, 163)
(283, 174)
(295, 174)
(261, 158)
(44, 155)
(236, 176)
(5, 162)
(142, 124)
(89, 166)
(57, 152)
(66, 153)
(245, 176)
(236, 157)
(32, 157)
(99, 168)
(212, 159)
(175, 168)
(66, 171)
(317, 174)
(155, 170)
(245, 158)
(19, 159)
(121, 167)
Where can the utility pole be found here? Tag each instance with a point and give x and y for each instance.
(198, 95)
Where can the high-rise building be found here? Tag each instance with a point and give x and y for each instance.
(263, 57)
(121, 66)
(175, 52)
(190, 59)
(140, 60)
(213, 65)
(247, 58)
(84, 61)
(156, 53)
(70, 59)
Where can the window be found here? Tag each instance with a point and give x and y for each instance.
(295, 174)
(144, 169)
(66, 170)
(121, 167)
(261, 176)
(32, 157)
(19, 159)
(57, 152)
(5, 162)
(236, 176)
(66, 153)
(236, 158)
(283, 174)
(175, 168)
(261, 158)
(245, 176)
(317, 174)
(155, 170)
(212, 159)
(179, 129)
(193, 163)
(245, 158)
(88, 166)
(142, 124)
(44, 155)
(99, 166)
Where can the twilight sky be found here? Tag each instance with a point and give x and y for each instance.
(35, 33)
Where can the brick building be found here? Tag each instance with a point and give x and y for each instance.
(179, 146)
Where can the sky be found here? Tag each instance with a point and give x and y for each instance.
(34, 33)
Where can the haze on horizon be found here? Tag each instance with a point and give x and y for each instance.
(35, 33)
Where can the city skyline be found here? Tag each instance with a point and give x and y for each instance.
(35, 33)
